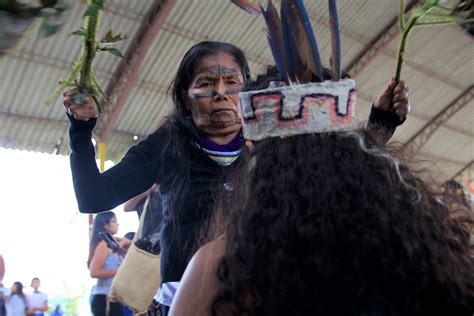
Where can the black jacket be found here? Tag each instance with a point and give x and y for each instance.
(134, 174)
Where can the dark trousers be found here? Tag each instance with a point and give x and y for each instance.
(99, 306)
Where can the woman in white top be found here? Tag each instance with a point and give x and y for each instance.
(17, 303)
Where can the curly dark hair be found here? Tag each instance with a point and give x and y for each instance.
(336, 224)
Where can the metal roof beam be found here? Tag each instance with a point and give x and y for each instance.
(460, 172)
(375, 47)
(368, 98)
(417, 141)
(128, 71)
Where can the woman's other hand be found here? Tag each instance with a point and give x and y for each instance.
(395, 99)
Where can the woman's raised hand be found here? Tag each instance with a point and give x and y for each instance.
(82, 112)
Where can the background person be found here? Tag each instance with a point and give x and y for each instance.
(4, 292)
(17, 304)
(103, 264)
(37, 301)
(137, 203)
(454, 198)
(2, 268)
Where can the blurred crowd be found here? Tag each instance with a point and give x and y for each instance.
(14, 301)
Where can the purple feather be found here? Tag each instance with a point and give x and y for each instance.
(306, 39)
(336, 53)
(291, 28)
(285, 30)
(248, 6)
(275, 39)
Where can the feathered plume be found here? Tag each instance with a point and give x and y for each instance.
(293, 43)
(275, 39)
(298, 71)
(306, 40)
(248, 6)
(336, 53)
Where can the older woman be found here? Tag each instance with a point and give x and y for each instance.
(189, 156)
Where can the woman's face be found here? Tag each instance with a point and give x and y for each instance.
(112, 226)
(213, 95)
(14, 288)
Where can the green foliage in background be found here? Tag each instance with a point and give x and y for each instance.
(18, 17)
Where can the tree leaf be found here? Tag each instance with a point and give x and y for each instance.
(432, 3)
(113, 51)
(80, 32)
(94, 8)
(110, 38)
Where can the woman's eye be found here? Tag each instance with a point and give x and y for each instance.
(204, 84)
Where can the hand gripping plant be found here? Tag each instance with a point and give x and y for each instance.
(81, 75)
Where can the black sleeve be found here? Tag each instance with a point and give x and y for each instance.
(385, 121)
(97, 192)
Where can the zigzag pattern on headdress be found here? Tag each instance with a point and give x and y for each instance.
(300, 109)
(307, 104)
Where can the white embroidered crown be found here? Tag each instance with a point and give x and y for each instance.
(310, 107)
(314, 107)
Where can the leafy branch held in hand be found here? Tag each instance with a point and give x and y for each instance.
(81, 75)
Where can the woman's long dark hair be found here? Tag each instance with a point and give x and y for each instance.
(19, 289)
(334, 224)
(178, 130)
(100, 220)
(19, 292)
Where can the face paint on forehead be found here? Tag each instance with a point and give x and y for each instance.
(210, 94)
(220, 70)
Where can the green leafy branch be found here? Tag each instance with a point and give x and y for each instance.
(431, 13)
(81, 75)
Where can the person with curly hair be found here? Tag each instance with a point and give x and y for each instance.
(329, 223)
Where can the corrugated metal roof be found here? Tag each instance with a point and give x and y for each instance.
(439, 68)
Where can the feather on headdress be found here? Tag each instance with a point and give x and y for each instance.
(293, 42)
